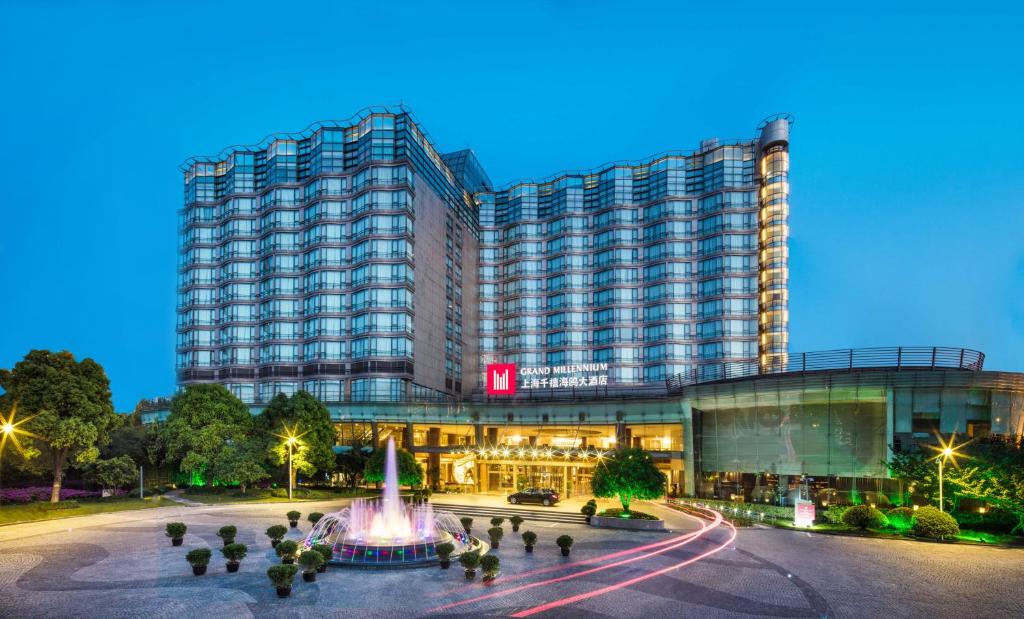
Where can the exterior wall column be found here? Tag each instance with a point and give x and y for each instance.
(689, 463)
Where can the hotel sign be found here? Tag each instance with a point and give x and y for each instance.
(503, 378)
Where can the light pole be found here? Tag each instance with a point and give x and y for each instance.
(947, 451)
(290, 441)
(9, 430)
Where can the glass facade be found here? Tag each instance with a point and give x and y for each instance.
(355, 262)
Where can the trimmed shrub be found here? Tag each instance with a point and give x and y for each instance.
(228, 533)
(310, 560)
(632, 514)
(287, 550)
(282, 575)
(199, 557)
(931, 522)
(276, 532)
(564, 542)
(834, 514)
(467, 523)
(314, 517)
(445, 550)
(293, 517)
(497, 521)
(516, 521)
(469, 562)
(588, 510)
(529, 539)
(234, 552)
(864, 517)
(176, 530)
(490, 564)
(495, 533)
(325, 550)
(900, 518)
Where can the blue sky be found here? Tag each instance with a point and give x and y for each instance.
(907, 210)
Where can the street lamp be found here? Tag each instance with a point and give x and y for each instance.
(291, 439)
(9, 430)
(947, 451)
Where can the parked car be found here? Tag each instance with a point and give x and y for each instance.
(544, 496)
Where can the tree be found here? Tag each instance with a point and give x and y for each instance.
(204, 420)
(351, 464)
(311, 421)
(994, 473)
(918, 472)
(410, 472)
(113, 473)
(70, 401)
(629, 473)
(239, 462)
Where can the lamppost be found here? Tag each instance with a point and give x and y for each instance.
(947, 451)
(9, 430)
(290, 441)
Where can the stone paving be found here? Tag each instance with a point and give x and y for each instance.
(122, 565)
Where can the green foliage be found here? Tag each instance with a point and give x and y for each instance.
(234, 552)
(205, 420)
(900, 518)
(310, 560)
(351, 464)
(287, 549)
(176, 530)
(588, 509)
(239, 461)
(994, 521)
(199, 557)
(490, 564)
(293, 515)
(931, 522)
(314, 517)
(495, 533)
(310, 419)
(863, 517)
(629, 473)
(918, 472)
(994, 474)
(467, 523)
(325, 550)
(834, 514)
(516, 521)
(227, 532)
(282, 576)
(470, 560)
(65, 504)
(410, 472)
(69, 402)
(445, 550)
(615, 512)
(113, 473)
(497, 521)
(564, 541)
(277, 531)
(529, 538)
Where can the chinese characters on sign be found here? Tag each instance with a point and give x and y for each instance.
(544, 377)
(804, 513)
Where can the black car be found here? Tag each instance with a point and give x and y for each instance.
(544, 496)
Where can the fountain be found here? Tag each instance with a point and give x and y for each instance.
(386, 532)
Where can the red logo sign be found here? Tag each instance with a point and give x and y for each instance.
(501, 379)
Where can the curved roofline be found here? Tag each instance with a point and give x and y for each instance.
(646, 160)
(308, 132)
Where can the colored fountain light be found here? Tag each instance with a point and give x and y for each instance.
(386, 532)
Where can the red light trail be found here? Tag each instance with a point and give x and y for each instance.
(671, 544)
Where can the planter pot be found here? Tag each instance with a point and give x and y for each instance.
(288, 561)
(515, 529)
(176, 541)
(529, 549)
(294, 523)
(309, 576)
(588, 519)
(470, 574)
(467, 531)
(233, 567)
(565, 552)
(495, 544)
(446, 563)
(322, 569)
(198, 570)
(283, 592)
(489, 579)
(274, 543)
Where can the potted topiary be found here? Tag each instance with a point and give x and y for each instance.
(327, 552)
(490, 565)
(228, 533)
(470, 561)
(314, 517)
(516, 521)
(293, 518)
(444, 554)
(529, 539)
(588, 510)
(425, 494)
(497, 521)
(176, 531)
(275, 533)
(199, 558)
(495, 533)
(467, 523)
(234, 553)
(282, 576)
(565, 543)
(310, 560)
(287, 550)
